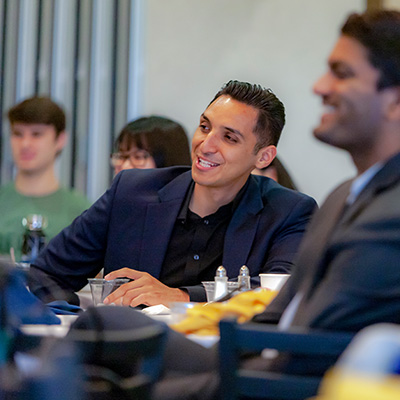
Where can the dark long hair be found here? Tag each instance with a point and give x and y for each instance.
(164, 139)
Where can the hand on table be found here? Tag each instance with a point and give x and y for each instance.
(143, 289)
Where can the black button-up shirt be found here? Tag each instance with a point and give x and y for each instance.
(196, 246)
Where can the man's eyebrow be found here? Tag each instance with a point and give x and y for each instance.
(237, 132)
(234, 131)
(203, 116)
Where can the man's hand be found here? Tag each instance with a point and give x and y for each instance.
(144, 289)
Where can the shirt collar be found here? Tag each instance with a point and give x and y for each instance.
(362, 181)
(185, 206)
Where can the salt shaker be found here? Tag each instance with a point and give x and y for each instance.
(244, 279)
(221, 283)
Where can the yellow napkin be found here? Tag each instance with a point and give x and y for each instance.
(203, 318)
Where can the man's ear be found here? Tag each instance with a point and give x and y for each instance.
(393, 107)
(265, 156)
(61, 141)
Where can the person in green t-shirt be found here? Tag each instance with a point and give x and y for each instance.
(37, 138)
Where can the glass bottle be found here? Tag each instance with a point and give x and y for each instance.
(34, 238)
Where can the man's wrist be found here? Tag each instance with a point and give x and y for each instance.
(184, 294)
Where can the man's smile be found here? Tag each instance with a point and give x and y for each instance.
(205, 163)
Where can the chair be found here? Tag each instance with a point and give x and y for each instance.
(121, 364)
(239, 382)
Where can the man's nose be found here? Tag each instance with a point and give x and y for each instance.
(210, 143)
(26, 141)
(323, 85)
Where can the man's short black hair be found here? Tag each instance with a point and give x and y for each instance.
(379, 33)
(271, 111)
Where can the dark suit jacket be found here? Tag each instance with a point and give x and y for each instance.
(131, 224)
(348, 267)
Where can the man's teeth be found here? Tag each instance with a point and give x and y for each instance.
(206, 164)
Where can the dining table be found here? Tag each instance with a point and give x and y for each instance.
(158, 312)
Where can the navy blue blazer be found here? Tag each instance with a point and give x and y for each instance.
(131, 224)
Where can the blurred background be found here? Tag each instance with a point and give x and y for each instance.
(107, 62)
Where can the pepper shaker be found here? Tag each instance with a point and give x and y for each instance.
(244, 279)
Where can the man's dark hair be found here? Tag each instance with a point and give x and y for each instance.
(379, 33)
(38, 110)
(271, 111)
(164, 139)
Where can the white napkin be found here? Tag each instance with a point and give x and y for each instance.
(159, 309)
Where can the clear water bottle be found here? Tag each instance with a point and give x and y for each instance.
(34, 238)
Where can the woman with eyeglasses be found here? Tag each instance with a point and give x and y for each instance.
(151, 142)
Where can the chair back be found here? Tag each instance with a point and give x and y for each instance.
(121, 364)
(237, 381)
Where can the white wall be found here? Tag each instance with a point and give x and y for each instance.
(192, 47)
(395, 4)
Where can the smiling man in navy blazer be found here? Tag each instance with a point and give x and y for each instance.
(169, 229)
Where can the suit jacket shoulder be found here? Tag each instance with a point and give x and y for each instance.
(354, 279)
(266, 228)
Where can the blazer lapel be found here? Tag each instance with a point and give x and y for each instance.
(159, 223)
(242, 229)
(313, 247)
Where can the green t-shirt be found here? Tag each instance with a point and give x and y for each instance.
(60, 209)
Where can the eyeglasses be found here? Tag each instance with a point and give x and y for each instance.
(137, 158)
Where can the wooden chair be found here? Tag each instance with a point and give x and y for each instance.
(121, 364)
(238, 339)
